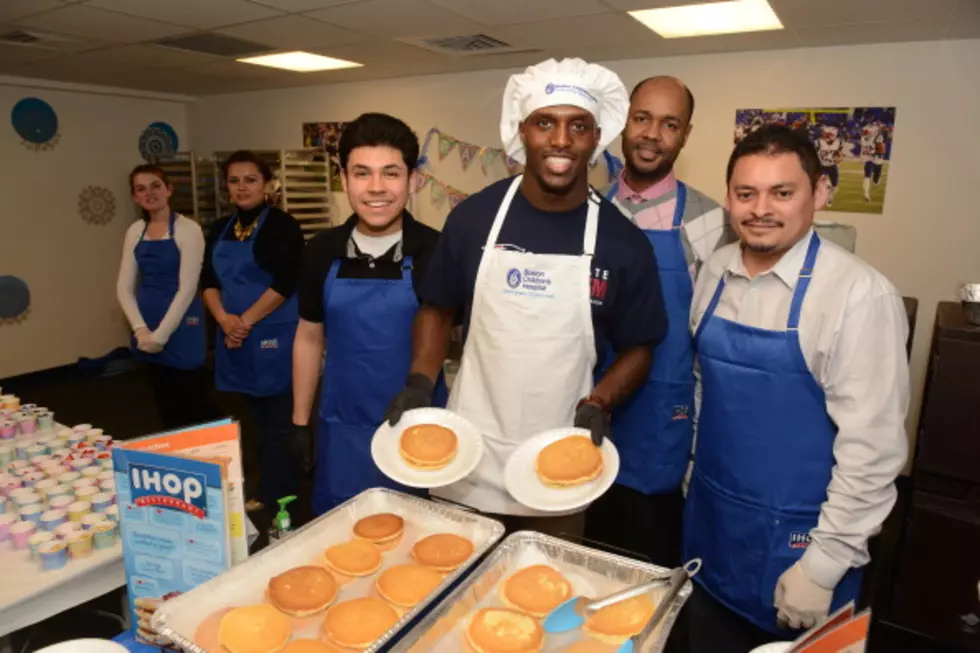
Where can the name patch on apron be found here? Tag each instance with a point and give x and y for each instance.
(799, 540)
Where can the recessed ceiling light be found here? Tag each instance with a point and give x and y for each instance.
(303, 62)
(712, 18)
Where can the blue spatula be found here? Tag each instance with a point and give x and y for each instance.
(572, 613)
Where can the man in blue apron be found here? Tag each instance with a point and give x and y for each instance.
(547, 274)
(801, 358)
(357, 300)
(654, 428)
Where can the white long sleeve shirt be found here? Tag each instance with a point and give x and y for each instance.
(190, 241)
(853, 331)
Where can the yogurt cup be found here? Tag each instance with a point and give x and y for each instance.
(44, 486)
(92, 435)
(104, 535)
(7, 453)
(6, 521)
(21, 532)
(92, 472)
(68, 478)
(8, 429)
(79, 464)
(112, 512)
(81, 428)
(45, 420)
(83, 482)
(103, 443)
(27, 424)
(79, 509)
(63, 435)
(54, 555)
(52, 519)
(105, 475)
(86, 493)
(35, 541)
(53, 469)
(91, 519)
(38, 462)
(101, 501)
(79, 545)
(9, 484)
(31, 477)
(108, 486)
(67, 529)
(31, 513)
(20, 447)
(61, 503)
(106, 464)
(25, 497)
(36, 450)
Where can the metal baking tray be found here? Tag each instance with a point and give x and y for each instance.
(592, 573)
(245, 584)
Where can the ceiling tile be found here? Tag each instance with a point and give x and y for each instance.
(234, 70)
(20, 54)
(74, 69)
(632, 5)
(825, 13)
(10, 9)
(891, 32)
(397, 18)
(301, 5)
(967, 8)
(293, 32)
(382, 52)
(198, 14)
(578, 31)
(90, 22)
(509, 12)
(149, 55)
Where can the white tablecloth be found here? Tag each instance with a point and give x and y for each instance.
(28, 594)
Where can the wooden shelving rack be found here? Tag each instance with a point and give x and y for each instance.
(194, 185)
(305, 194)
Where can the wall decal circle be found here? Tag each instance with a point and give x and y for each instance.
(96, 205)
(15, 297)
(36, 122)
(159, 139)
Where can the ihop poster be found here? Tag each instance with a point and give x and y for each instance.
(854, 145)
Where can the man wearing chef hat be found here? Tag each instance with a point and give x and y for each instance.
(546, 273)
(801, 429)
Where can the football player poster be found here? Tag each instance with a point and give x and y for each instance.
(854, 145)
(327, 136)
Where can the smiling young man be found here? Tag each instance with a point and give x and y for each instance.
(801, 429)
(547, 274)
(357, 299)
(654, 429)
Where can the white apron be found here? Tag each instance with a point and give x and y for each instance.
(529, 355)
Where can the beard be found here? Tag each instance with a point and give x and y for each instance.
(642, 172)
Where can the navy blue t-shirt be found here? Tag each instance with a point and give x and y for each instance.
(627, 306)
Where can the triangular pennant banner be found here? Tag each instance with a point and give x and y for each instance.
(421, 179)
(512, 164)
(467, 153)
(487, 156)
(437, 191)
(446, 145)
(455, 197)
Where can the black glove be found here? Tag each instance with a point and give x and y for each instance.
(417, 393)
(589, 416)
(301, 447)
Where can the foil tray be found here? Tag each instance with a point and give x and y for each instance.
(592, 573)
(245, 584)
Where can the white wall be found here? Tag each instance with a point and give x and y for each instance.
(926, 242)
(69, 265)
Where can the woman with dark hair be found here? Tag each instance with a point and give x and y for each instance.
(157, 290)
(251, 270)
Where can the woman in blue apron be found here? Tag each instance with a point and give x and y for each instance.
(157, 290)
(357, 300)
(250, 274)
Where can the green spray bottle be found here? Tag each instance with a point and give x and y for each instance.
(282, 525)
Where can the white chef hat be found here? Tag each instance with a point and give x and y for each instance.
(571, 82)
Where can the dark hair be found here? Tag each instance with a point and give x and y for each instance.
(247, 156)
(373, 129)
(687, 92)
(778, 139)
(147, 169)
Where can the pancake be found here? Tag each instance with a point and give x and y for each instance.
(254, 629)
(499, 630)
(428, 446)
(303, 591)
(358, 623)
(442, 551)
(384, 530)
(620, 621)
(404, 586)
(569, 462)
(354, 558)
(309, 646)
(535, 590)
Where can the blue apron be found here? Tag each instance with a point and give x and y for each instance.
(368, 333)
(159, 273)
(763, 460)
(653, 429)
(262, 366)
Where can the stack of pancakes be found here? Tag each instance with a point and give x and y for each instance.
(352, 559)
(569, 462)
(384, 530)
(145, 607)
(501, 630)
(428, 446)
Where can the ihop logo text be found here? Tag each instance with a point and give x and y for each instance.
(157, 486)
(799, 540)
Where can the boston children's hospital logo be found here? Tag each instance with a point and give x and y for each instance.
(157, 486)
(514, 278)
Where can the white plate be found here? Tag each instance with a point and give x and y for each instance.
(384, 449)
(524, 485)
